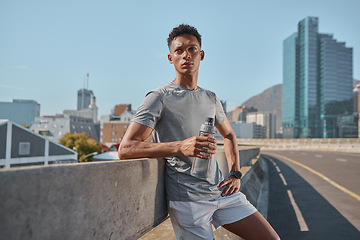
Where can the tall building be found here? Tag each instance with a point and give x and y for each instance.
(266, 120)
(239, 114)
(317, 83)
(90, 112)
(20, 111)
(84, 98)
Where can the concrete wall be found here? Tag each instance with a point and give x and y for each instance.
(107, 200)
(104, 200)
(307, 144)
(246, 154)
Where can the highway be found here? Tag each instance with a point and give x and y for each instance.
(314, 195)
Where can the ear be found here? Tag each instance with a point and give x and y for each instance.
(202, 55)
(170, 58)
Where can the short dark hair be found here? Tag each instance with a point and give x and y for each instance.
(181, 30)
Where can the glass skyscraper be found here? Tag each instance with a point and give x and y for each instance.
(317, 82)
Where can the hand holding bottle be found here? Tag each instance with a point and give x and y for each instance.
(201, 164)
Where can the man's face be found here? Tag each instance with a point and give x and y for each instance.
(185, 54)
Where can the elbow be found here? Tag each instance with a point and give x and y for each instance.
(123, 153)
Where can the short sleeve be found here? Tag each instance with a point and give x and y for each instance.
(149, 112)
(220, 115)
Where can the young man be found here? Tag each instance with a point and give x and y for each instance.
(175, 113)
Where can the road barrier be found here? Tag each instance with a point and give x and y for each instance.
(102, 200)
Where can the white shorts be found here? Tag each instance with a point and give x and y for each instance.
(192, 220)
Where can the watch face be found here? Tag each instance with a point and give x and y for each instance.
(237, 174)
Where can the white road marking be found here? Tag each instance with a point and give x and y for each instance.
(338, 186)
(277, 168)
(283, 179)
(299, 216)
(341, 160)
(319, 156)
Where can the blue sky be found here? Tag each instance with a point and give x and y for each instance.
(48, 47)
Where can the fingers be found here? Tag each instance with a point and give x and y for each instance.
(199, 146)
(229, 191)
(206, 138)
(232, 186)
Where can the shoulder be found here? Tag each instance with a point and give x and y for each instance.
(207, 92)
(161, 91)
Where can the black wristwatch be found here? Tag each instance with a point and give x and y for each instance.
(236, 174)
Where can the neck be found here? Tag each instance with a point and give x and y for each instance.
(187, 81)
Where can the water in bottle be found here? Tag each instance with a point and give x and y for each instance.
(200, 167)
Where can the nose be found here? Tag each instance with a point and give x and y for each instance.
(186, 54)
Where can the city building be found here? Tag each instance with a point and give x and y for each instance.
(245, 130)
(266, 120)
(317, 83)
(84, 98)
(239, 114)
(248, 130)
(20, 146)
(22, 112)
(356, 94)
(90, 112)
(54, 127)
(114, 125)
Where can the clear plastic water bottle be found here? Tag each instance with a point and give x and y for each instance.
(200, 167)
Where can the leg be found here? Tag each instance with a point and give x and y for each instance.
(252, 227)
(192, 220)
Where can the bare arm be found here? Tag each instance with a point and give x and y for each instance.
(134, 146)
(232, 156)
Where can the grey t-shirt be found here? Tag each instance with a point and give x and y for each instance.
(176, 113)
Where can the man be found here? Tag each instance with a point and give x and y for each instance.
(175, 112)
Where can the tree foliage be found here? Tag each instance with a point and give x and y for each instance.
(82, 144)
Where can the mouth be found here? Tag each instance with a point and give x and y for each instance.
(187, 64)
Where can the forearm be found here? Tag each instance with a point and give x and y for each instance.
(232, 152)
(139, 149)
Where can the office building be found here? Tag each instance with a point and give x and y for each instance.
(317, 83)
(239, 114)
(114, 125)
(19, 111)
(266, 120)
(90, 112)
(55, 127)
(84, 98)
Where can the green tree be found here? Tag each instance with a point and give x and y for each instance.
(82, 144)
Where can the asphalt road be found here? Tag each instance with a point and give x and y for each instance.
(314, 195)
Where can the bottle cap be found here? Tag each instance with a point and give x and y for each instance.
(209, 121)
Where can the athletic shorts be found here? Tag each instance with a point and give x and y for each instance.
(192, 220)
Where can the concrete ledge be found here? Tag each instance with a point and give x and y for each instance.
(102, 200)
(111, 200)
(306, 144)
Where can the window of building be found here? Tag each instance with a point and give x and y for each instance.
(24, 148)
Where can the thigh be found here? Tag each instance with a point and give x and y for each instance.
(232, 209)
(192, 220)
(254, 227)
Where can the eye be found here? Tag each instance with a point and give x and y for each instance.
(178, 51)
(192, 49)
